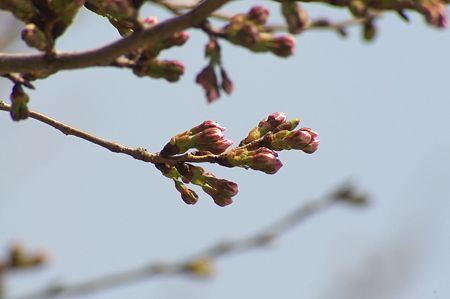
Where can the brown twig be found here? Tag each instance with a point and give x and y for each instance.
(199, 264)
(138, 153)
(104, 56)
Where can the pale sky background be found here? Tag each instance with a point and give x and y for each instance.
(382, 113)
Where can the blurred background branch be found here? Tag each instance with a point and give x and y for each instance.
(202, 264)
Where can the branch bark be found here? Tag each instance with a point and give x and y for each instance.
(21, 63)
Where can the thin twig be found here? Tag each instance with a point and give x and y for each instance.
(208, 255)
(104, 56)
(138, 153)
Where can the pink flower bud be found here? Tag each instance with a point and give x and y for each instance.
(208, 80)
(435, 12)
(227, 85)
(150, 21)
(221, 190)
(208, 124)
(264, 159)
(282, 46)
(258, 15)
(265, 126)
(303, 139)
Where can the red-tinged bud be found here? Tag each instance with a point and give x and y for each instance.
(220, 190)
(208, 80)
(258, 15)
(435, 12)
(311, 147)
(150, 21)
(34, 37)
(208, 136)
(227, 84)
(19, 100)
(179, 38)
(268, 124)
(264, 159)
(171, 70)
(303, 139)
(22, 9)
(208, 124)
(189, 196)
(282, 46)
(296, 17)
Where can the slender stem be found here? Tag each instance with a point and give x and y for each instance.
(137, 153)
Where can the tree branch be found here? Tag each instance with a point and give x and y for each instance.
(19, 63)
(138, 153)
(200, 264)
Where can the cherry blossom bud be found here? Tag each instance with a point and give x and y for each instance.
(295, 16)
(282, 46)
(208, 136)
(208, 80)
(263, 159)
(303, 139)
(149, 21)
(220, 190)
(258, 15)
(19, 100)
(34, 37)
(171, 70)
(227, 85)
(188, 195)
(435, 12)
(266, 125)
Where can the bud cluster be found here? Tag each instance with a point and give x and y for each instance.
(258, 151)
(207, 77)
(208, 136)
(435, 12)
(248, 30)
(144, 61)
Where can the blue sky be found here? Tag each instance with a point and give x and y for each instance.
(382, 113)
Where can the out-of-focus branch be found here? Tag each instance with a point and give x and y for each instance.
(19, 63)
(200, 264)
(321, 23)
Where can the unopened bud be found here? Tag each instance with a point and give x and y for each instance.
(227, 84)
(171, 70)
(188, 195)
(208, 80)
(34, 37)
(435, 12)
(282, 46)
(265, 126)
(19, 100)
(258, 15)
(296, 17)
